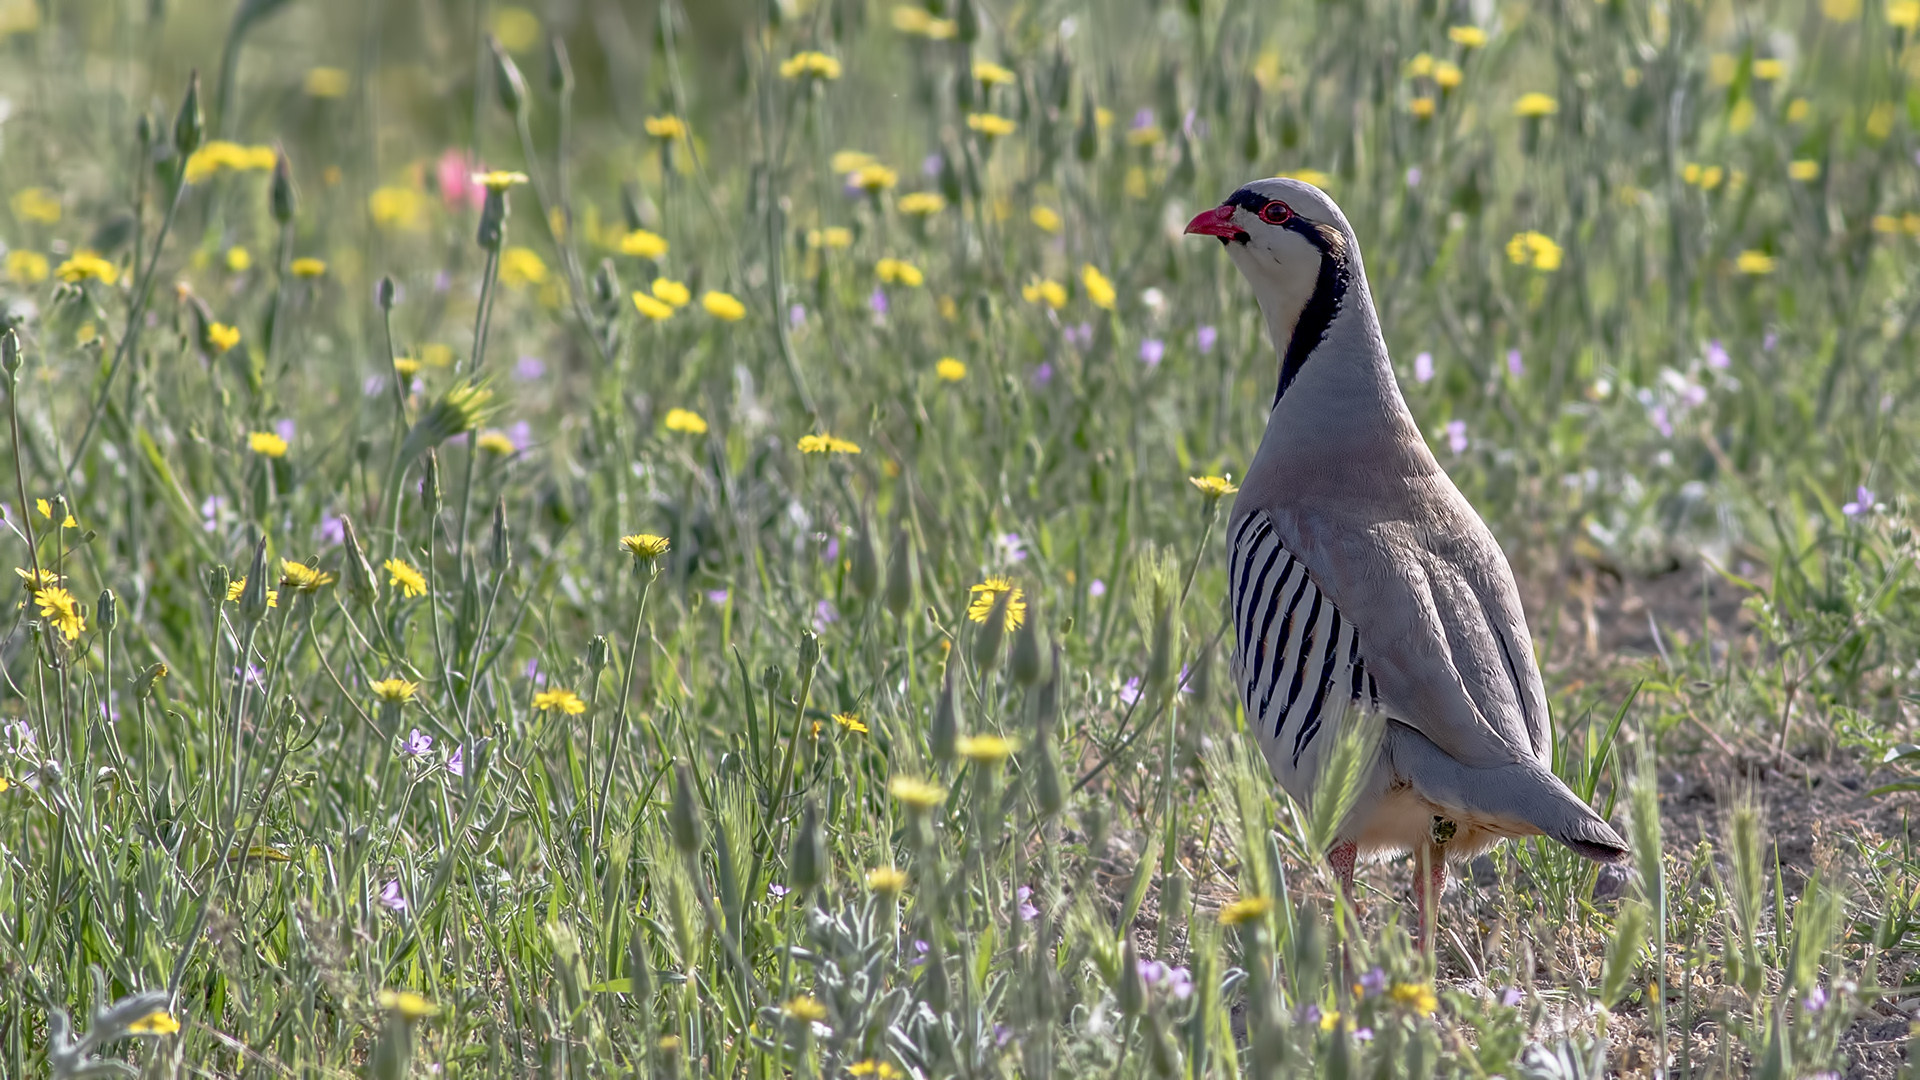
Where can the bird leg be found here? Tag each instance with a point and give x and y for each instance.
(1342, 857)
(1429, 881)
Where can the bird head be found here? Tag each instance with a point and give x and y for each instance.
(1295, 248)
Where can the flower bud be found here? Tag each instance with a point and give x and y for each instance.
(10, 352)
(383, 293)
(809, 652)
(356, 572)
(639, 966)
(1132, 990)
(1029, 657)
(430, 484)
(281, 197)
(606, 285)
(865, 578)
(507, 81)
(559, 67)
(903, 566)
(493, 221)
(945, 731)
(683, 816)
(188, 125)
(599, 654)
(966, 22)
(1049, 787)
(106, 610)
(218, 578)
(253, 598)
(143, 683)
(1086, 143)
(808, 863)
(770, 677)
(499, 547)
(992, 633)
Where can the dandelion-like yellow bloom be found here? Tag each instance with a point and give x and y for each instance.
(666, 127)
(394, 691)
(499, 179)
(220, 155)
(1535, 249)
(397, 207)
(810, 65)
(1803, 169)
(1045, 218)
(849, 161)
(406, 366)
(1471, 37)
(1420, 66)
(1045, 290)
(1447, 74)
(916, 794)
(61, 611)
(326, 82)
(1904, 14)
(239, 585)
(879, 1070)
(921, 23)
(1418, 997)
(521, 267)
(984, 750)
(686, 421)
(833, 236)
(888, 880)
(646, 545)
(988, 73)
(651, 308)
(642, 244)
(671, 293)
(991, 125)
(1535, 104)
(307, 268)
(266, 444)
(238, 260)
(1840, 10)
(409, 1005)
(35, 580)
(159, 1022)
(873, 178)
(565, 701)
(1754, 262)
(1213, 487)
(223, 337)
(950, 370)
(1329, 1020)
(46, 511)
(1421, 107)
(1245, 910)
(495, 442)
(1144, 136)
(850, 722)
(36, 204)
(984, 595)
(86, 266)
(723, 306)
(922, 203)
(826, 444)
(301, 578)
(27, 267)
(401, 574)
(1099, 289)
(899, 272)
(1771, 69)
(804, 1009)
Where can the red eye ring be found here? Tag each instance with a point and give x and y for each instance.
(1276, 213)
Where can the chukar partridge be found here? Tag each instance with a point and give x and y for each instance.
(1357, 568)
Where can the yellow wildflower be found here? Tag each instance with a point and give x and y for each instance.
(987, 750)
(1840, 10)
(642, 244)
(1904, 14)
(36, 204)
(1535, 104)
(899, 272)
(222, 337)
(886, 879)
(849, 161)
(671, 292)
(922, 203)
(1446, 74)
(990, 125)
(686, 421)
(1329, 1020)
(850, 722)
(651, 308)
(238, 260)
(499, 179)
(1044, 218)
(409, 1005)
(46, 511)
(813, 65)
(1311, 176)
(85, 265)
(723, 306)
(1754, 262)
(302, 578)
(1769, 69)
(826, 444)
(61, 611)
(33, 581)
(950, 370)
(239, 586)
(395, 691)
(410, 581)
(804, 1009)
(307, 268)
(397, 207)
(159, 1022)
(666, 127)
(1245, 910)
(833, 236)
(520, 267)
(326, 82)
(1803, 169)
(879, 1070)
(27, 267)
(1880, 119)
(1416, 996)
(266, 444)
(1045, 290)
(988, 73)
(984, 595)
(1099, 289)
(916, 794)
(495, 442)
(1535, 249)
(564, 700)
(873, 178)
(645, 545)
(1213, 487)
(1471, 37)
(1420, 66)
(1797, 110)
(406, 366)
(1421, 107)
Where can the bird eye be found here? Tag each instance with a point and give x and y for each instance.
(1276, 213)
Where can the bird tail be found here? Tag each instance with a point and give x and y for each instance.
(1522, 796)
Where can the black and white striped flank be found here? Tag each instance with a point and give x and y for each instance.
(1293, 653)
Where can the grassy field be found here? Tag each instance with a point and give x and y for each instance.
(657, 538)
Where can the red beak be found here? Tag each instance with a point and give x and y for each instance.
(1215, 222)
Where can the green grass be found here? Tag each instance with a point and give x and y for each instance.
(668, 870)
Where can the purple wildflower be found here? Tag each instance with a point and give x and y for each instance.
(797, 316)
(1002, 1035)
(878, 301)
(457, 764)
(374, 386)
(1863, 502)
(824, 614)
(1514, 366)
(1130, 692)
(1204, 338)
(1816, 999)
(931, 165)
(1097, 589)
(1457, 436)
(1363, 1035)
(332, 530)
(390, 897)
(1041, 376)
(1010, 547)
(1152, 351)
(1512, 996)
(442, 281)
(776, 891)
(1028, 912)
(830, 554)
(1081, 335)
(529, 368)
(1143, 119)
(1767, 343)
(1310, 1015)
(284, 429)
(1658, 416)
(1717, 355)
(920, 950)
(416, 744)
(1413, 177)
(716, 596)
(1373, 982)
(521, 434)
(1423, 367)
(1152, 972)
(212, 509)
(1180, 983)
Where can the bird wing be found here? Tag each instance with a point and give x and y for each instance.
(1436, 617)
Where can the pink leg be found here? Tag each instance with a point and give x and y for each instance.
(1342, 857)
(1429, 881)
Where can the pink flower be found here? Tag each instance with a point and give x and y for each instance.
(455, 172)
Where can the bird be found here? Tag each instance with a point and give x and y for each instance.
(1359, 575)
